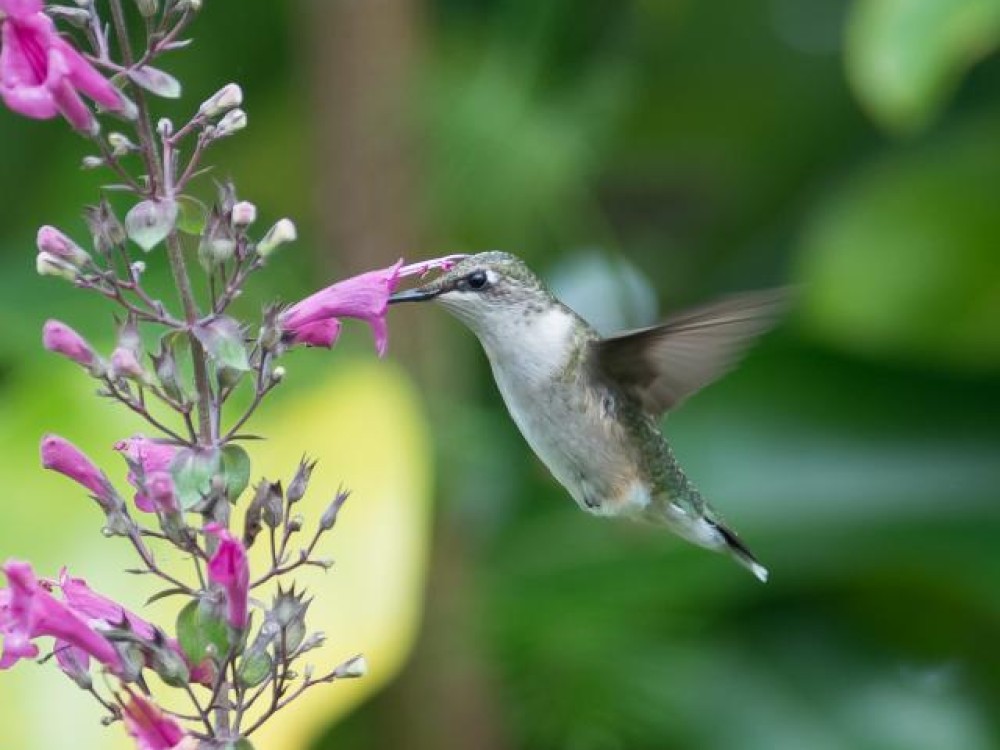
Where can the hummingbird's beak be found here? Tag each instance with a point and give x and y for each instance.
(414, 295)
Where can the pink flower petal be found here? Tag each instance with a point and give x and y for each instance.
(86, 78)
(229, 568)
(33, 612)
(149, 726)
(20, 8)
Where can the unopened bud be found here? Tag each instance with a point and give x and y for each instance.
(267, 504)
(50, 240)
(147, 8)
(125, 364)
(281, 233)
(76, 16)
(165, 127)
(217, 242)
(92, 162)
(138, 268)
(223, 100)
(120, 144)
(356, 667)
(243, 214)
(74, 663)
(329, 517)
(299, 483)
(60, 338)
(278, 374)
(295, 523)
(232, 122)
(105, 227)
(49, 265)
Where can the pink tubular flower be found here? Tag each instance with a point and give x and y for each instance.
(99, 609)
(60, 338)
(61, 455)
(28, 611)
(41, 75)
(150, 727)
(154, 485)
(314, 320)
(102, 612)
(229, 568)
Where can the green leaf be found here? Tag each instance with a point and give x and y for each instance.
(236, 468)
(148, 223)
(223, 340)
(906, 57)
(254, 668)
(202, 632)
(901, 261)
(192, 471)
(191, 215)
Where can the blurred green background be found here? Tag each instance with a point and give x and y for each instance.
(633, 151)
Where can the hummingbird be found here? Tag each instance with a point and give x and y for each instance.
(590, 406)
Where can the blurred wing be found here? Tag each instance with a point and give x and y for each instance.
(664, 364)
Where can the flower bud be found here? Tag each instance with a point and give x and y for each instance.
(243, 214)
(106, 229)
(76, 16)
(92, 162)
(164, 127)
(49, 265)
(125, 364)
(329, 517)
(217, 242)
(165, 364)
(272, 509)
(60, 338)
(120, 144)
(299, 483)
(50, 240)
(232, 122)
(281, 233)
(278, 374)
(125, 359)
(356, 667)
(223, 100)
(75, 664)
(147, 8)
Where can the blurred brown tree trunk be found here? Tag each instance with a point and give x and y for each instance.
(362, 57)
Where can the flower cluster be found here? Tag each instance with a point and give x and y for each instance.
(235, 657)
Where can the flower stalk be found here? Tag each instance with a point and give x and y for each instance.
(238, 661)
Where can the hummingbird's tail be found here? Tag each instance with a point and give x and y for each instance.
(740, 552)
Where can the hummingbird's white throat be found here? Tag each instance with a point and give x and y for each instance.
(533, 346)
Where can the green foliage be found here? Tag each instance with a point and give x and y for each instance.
(203, 633)
(905, 58)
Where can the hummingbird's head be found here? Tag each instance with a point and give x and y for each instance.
(484, 291)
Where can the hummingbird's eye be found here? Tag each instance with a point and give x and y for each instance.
(476, 279)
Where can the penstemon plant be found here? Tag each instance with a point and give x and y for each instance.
(236, 658)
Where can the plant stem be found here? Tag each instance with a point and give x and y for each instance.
(175, 253)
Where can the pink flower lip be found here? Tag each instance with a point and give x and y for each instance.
(42, 75)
